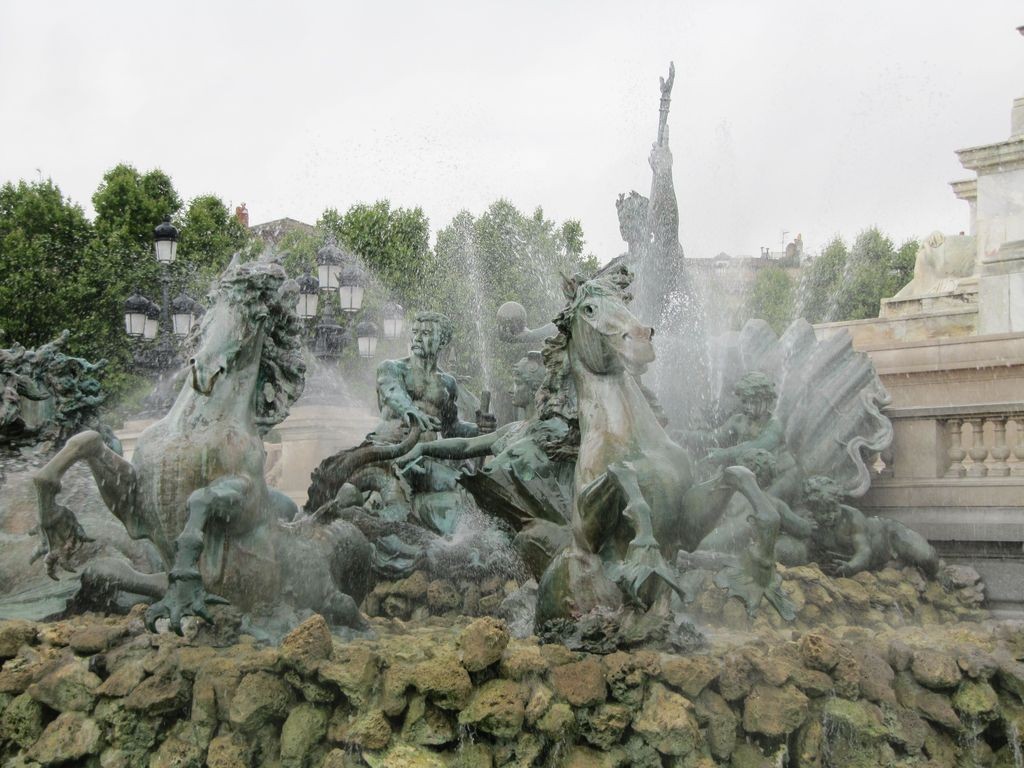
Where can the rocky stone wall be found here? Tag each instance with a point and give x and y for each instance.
(891, 597)
(423, 594)
(102, 692)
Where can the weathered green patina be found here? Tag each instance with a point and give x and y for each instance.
(195, 484)
(48, 395)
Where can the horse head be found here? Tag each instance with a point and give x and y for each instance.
(606, 337)
(252, 323)
(230, 337)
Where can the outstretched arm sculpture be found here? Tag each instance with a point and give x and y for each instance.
(663, 211)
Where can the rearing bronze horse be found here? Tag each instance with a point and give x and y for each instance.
(635, 501)
(195, 485)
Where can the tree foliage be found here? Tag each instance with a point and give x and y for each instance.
(393, 243)
(63, 271)
(771, 298)
(849, 283)
(821, 282)
(209, 236)
(501, 255)
(43, 257)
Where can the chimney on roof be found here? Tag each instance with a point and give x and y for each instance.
(242, 214)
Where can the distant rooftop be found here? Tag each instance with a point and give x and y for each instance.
(273, 231)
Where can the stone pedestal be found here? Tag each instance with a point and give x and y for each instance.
(310, 434)
(297, 445)
(965, 296)
(999, 225)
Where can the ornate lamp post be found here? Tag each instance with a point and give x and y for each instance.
(339, 271)
(329, 261)
(147, 321)
(329, 337)
(366, 338)
(152, 326)
(135, 309)
(351, 285)
(165, 242)
(309, 296)
(184, 311)
(392, 320)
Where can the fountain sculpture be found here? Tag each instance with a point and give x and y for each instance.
(643, 529)
(48, 395)
(195, 486)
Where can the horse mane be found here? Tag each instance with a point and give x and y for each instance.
(264, 290)
(557, 394)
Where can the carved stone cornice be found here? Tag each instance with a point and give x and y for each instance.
(994, 158)
(965, 189)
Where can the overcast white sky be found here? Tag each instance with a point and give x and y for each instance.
(807, 116)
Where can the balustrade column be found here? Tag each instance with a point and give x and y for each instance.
(956, 452)
(1018, 449)
(978, 451)
(1000, 450)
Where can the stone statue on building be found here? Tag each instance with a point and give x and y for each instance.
(944, 264)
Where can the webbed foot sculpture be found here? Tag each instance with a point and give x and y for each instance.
(186, 596)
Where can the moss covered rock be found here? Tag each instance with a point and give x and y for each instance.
(774, 712)
(498, 707)
(482, 643)
(667, 722)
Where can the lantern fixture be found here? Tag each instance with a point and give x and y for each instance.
(329, 261)
(329, 339)
(135, 308)
(152, 327)
(183, 314)
(165, 241)
(309, 288)
(366, 337)
(392, 319)
(351, 284)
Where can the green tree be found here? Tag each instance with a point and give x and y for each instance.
(297, 249)
(502, 255)
(901, 270)
(821, 282)
(130, 204)
(393, 243)
(866, 278)
(849, 283)
(43, 239)
(209, 236)
(572, 236)
(771, 298)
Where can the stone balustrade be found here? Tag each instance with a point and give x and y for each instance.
(985, 440)
(953, 392)
(955, 473)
